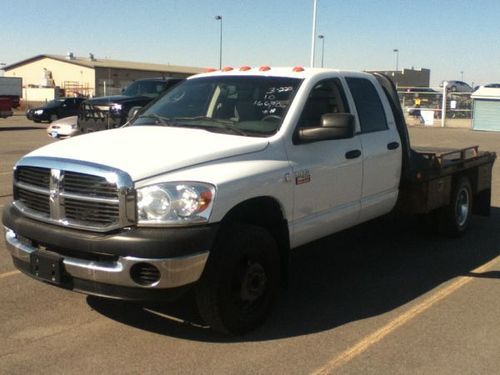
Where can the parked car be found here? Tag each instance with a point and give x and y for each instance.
(107, 112)
(488, 85)
(63, 128)
(55, 109)
(457, 86)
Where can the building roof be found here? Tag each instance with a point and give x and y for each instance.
(108, 63)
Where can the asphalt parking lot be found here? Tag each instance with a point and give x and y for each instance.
(382, 298)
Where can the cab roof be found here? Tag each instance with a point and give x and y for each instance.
(267, 71)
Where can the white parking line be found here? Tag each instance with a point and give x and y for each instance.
(8, 274)
(377, 336)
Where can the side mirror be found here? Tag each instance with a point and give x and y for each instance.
(333, 126)
(133, 112)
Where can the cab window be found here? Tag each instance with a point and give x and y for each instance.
(326, 97)
(368, 105)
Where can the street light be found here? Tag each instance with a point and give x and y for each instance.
(219, 18)
(396, 51)
(462, 75)
(313, 44)
(322, 37)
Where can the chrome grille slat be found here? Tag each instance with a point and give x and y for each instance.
(74, 194)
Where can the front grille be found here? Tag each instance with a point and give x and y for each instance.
(98, 117)
(91, 212)
(35, 201)
(34, 176)
(96, 186)
(98, 201)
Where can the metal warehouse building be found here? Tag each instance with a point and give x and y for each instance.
(486, 109)
(89, 75)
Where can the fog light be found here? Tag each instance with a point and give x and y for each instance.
(145, 274)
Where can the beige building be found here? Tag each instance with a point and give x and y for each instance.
(408, 77)
(89, 76)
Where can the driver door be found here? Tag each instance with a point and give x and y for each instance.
(327, 174)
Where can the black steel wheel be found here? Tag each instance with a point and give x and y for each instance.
(240, 281)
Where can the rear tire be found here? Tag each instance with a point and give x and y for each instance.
(455, 218)
(240, 281)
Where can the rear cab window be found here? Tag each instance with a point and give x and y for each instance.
(369, 107)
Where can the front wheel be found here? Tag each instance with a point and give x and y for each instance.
(454, 218)
(240, 281)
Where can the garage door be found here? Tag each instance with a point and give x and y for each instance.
(486, 115)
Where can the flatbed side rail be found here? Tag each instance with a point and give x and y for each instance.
(440, 158)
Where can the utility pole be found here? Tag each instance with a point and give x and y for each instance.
(219, 18)
(313, 46)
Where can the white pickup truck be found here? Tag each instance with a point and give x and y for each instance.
(215, 182)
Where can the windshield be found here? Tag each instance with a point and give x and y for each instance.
(151, 89)
(243, 105)
(54, 103)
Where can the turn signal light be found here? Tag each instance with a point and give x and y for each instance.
(298, 69)
(227, 69)
(245, 68)
(264, 68)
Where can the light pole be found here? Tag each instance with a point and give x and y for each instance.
(462, 75)
(313, 44)
(396, 51)
(219, 18)
(322, 37)
(1, 69)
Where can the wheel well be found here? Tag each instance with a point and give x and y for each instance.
(264, 212)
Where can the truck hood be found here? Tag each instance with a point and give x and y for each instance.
(146, 151)
(116, 99)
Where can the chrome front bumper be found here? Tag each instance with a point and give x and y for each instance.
(174, 272)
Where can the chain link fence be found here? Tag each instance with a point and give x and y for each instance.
(425, 106)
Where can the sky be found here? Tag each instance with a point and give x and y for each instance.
(454, 39)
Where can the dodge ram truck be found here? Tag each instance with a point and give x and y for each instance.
(213, 185)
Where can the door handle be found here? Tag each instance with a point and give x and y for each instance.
(353, 154)
(392, 145)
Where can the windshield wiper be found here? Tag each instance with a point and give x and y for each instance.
(159, 119)
(226, 124)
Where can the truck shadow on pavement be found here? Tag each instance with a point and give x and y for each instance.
(16, 128)
(360, 273)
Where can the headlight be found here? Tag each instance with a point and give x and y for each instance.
(38, 112)
(176, 203)
(116, 107)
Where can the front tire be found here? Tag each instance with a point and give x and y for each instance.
(240, 281)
